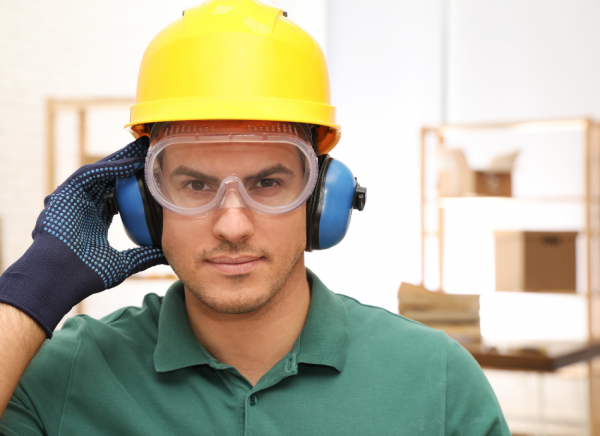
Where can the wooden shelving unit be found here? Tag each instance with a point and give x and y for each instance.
(590, 200)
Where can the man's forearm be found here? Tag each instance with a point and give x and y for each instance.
(20, 339)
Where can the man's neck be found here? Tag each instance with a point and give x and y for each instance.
(254, 342)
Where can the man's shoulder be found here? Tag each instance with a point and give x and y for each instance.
(391, 341)
(398, 356)
(83, 338)
(85, 356)
(377, 328)
(373, 319)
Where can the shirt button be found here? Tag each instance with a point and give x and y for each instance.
(253, 400)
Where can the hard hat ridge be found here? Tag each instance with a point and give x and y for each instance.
(244, 16)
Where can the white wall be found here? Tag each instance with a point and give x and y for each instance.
(511, 59)
(384, 60)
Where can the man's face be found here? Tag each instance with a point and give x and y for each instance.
(234, 260)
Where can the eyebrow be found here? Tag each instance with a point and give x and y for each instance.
(275, 169)
(186, 171)
(189, 172)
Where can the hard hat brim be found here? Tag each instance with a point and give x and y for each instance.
(266, 109)
(204, 108)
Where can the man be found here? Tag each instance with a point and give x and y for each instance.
(234, 126)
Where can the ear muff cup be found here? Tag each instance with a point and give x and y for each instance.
(140, 213)
(329, 208)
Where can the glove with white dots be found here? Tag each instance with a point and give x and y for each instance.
(71, 258)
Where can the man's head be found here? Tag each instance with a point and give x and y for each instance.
(234, 215)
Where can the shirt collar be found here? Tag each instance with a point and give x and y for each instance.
(323, 340)
(177, 346)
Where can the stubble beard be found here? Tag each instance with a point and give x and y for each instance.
(200, 288)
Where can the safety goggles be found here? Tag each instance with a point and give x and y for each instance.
(196, 167)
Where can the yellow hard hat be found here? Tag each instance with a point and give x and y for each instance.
(237, 60)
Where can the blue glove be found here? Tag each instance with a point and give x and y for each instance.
(70, 258)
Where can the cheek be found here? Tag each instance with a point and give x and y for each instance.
(282, 233)
(183, 235)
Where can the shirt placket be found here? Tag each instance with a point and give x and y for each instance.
(287, 367)
(239, 386)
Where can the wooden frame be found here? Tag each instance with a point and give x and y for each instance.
(591, 231)
(81, 106)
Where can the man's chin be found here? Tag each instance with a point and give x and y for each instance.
(243, 293)
(233, 301)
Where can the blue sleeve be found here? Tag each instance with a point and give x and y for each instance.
(471, 405)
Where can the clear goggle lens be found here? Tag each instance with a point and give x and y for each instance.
(230, 165)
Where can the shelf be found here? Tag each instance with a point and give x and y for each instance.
(435, 233)
(543, 200)
(577, 124)
(575, 295)
(545, 356)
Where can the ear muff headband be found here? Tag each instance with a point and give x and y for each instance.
(152, 211)
(314, 205)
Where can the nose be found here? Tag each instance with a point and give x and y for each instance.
(233, 222)
(231, 200)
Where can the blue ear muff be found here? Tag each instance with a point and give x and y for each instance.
(329, 208)
(140, 213)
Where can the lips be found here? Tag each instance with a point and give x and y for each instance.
(234, 265)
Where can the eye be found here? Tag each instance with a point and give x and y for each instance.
(266, 183)
(196, 185)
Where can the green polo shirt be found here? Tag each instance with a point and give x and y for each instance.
(354, 370)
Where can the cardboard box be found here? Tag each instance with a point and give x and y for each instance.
(493, 184)
(535, 261)
(455, 314)
(456, 179)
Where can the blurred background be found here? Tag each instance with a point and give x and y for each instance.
(399, 70)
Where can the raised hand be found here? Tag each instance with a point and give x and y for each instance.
(71, 258)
